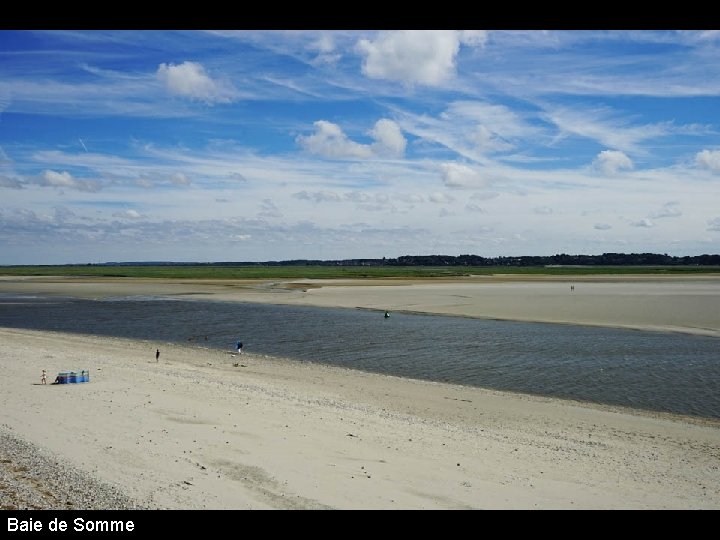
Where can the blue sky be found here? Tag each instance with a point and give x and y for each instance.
(274, 145)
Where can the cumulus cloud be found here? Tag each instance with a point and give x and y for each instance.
(543, 210)
(190, 80)
(709, 159)
(461, 176)
(330, 141)
(668, 210)
(389, 139)
(714, 224)
(642, 223)
(602, 226)
(128, 214)
(611, 162)
(65, 180)
(416, 56)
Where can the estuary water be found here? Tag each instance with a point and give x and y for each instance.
(666, 372)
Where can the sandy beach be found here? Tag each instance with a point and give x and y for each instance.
(209, 429)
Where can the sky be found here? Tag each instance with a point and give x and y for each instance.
(265, 145)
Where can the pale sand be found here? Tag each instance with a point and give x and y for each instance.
(193, 431)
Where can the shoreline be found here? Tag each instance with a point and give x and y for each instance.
(193, 431)
(686, 304)
(208, 429)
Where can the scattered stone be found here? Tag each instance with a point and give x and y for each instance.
(33, 480)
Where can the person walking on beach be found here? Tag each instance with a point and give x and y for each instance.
(157, 355)
(239, 347)
(43, 378)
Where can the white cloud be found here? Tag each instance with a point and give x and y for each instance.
(330, 141)
(128, 214)
(179, 179)
(714, 224)
(189, 79)
(389, 138)
(65, 180)
(462, 176)
(709, 159)
(473, 37)
(472, 207)
(602, 226)
(487, 141)
(327, 50)
(605, 126)
(642, 223)
(610, 162)
(498, 120)
(473, 129)
(269, 210)
(543, 210)
(415, 56)
(669, 209)
(358, 197)
(317, 196)
(440, 198)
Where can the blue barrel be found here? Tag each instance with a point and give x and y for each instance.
(85, 376)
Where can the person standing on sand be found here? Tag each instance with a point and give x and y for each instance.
(239, 347)
(157, 355)
(43, 378)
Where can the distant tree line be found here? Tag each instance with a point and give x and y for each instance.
(562, 259)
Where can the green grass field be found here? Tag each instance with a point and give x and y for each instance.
(339, 272)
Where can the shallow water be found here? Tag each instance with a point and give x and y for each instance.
(667, 372)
